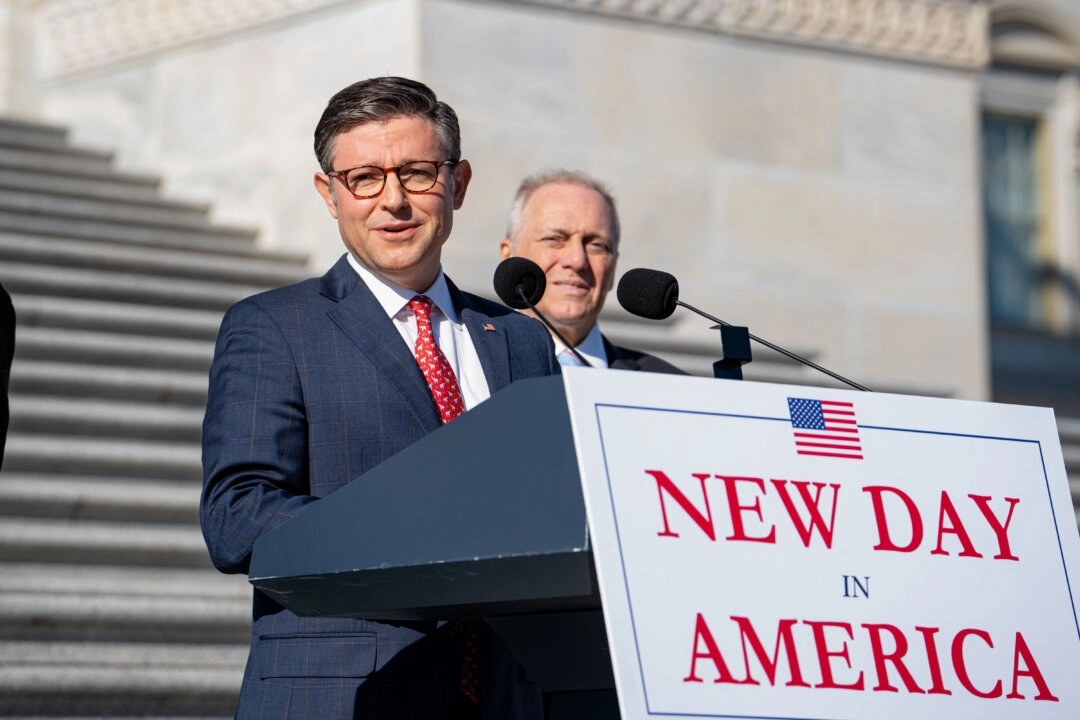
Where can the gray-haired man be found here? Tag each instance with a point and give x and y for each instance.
(566, 222)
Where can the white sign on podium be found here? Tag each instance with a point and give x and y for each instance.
(774, 551)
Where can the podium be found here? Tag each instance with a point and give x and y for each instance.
(484, 517)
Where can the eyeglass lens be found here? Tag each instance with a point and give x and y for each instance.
(417, 176)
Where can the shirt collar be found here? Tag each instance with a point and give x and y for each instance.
(393, 297)
(592, 347)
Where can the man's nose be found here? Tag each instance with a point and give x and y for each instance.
(573, 254)
(393, 196)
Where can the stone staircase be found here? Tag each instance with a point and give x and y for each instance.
(108, 604)
(1069, 430)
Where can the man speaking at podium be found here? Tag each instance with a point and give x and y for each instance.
(314, 384)
(566, 222)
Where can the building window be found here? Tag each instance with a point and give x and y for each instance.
(1014, 222)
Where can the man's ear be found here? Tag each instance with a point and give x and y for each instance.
(326, 190)
(506, 249)
(462, 176)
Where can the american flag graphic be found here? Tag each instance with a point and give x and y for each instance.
(824, 427)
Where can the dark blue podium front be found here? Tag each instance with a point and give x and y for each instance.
(484, 516)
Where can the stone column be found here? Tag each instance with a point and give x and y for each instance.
(16, 58)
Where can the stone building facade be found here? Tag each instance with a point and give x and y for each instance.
(813, 169)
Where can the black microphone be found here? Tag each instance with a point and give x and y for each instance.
(520, 283)
(651, 294)
(654, 294)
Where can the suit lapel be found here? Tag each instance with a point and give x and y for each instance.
(360, 317)
(488, 336)
(616, 360)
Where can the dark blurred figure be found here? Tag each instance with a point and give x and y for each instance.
(7, 350)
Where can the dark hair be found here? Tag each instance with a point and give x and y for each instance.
(378, 100)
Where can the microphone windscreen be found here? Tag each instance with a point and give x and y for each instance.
(648, 293)
(518, 272)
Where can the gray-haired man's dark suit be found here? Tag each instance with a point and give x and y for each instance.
(311, 386)
(621, 358)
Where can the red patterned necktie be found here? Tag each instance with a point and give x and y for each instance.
(436, 368)
(444, 388)
(469, 683)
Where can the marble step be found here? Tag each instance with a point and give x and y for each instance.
(24, 133)
(158, 214)
(226, 657)
(103, 285)
(124, 617)
(37, 169)
(92, 170)
(1069, 432)
(168, 681)
(101, 542)
(1071, 453)
(93, 580)
(1069, 429)
(62, 715)
(63, 159)
(101, 457)
(95, 417)
(33, 343)
(99, 498)
(125, 318)
(82, 380)
(31, 188)
(60, 252)
(108, 229)
(204, 242)
(100, 185)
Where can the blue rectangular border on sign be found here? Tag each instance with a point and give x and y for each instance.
(787, 420)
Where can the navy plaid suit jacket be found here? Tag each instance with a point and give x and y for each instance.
(311, 386)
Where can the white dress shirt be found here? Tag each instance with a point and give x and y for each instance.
(592, 347)
(450, 333)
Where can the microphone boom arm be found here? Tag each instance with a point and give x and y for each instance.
(778, 349)
(525, 299)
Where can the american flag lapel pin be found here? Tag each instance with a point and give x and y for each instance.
(489, 327)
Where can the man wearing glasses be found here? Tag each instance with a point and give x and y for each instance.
(565, 221)
(314, 384)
